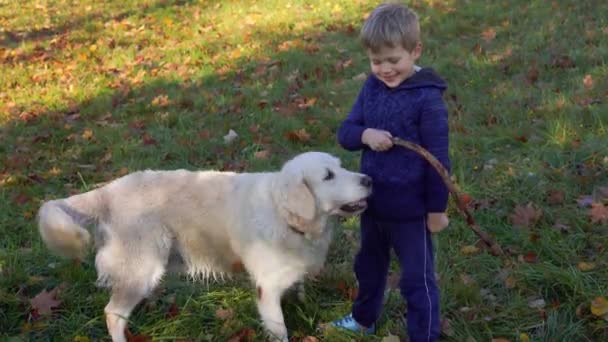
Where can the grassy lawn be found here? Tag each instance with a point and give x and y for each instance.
(91, 90)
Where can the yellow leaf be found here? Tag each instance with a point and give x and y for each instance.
(599, 306)
(468, 250)
(523, 337)
(586, 266)
(93, 48)
(87, 134)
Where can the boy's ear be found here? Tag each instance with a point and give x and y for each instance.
(417, 50)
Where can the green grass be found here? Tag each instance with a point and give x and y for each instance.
(84, 84)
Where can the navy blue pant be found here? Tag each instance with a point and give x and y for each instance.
(413, 246)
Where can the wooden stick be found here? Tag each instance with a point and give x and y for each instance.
(445, 176)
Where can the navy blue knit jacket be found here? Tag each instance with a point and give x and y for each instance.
(404, 184)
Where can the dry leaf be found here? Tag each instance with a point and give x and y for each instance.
(525, 216)
(246, 334)
(537, 303)
(488, 34)
(310, 339)
(263, 154)
(224, 314)
(299, 135)
(586, 266)
(599, 306)
(555, 197)
(469, 250)
(588, 82)
(45, 301)
(530, 258)
(598, 213)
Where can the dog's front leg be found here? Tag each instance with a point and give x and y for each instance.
(269, 306)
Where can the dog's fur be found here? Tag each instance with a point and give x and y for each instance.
(208, 223)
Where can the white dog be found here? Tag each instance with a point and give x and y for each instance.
(208, 223)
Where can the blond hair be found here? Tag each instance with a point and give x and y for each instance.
(391, 24)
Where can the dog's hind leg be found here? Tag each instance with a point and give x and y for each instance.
(119, 309)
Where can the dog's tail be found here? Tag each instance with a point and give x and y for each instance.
(62, 223)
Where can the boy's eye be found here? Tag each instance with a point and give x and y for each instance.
(329, 176)
(375, 62)
(393, 60)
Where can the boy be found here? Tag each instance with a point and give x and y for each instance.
(409, 198)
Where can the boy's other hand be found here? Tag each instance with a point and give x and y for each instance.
(376, 139)
(437, 222)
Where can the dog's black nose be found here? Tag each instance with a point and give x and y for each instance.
(366, 181)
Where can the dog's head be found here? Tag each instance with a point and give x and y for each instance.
(313, 186)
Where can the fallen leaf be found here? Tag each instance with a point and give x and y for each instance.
(555, 197)
(224, 314)
(523, 337)
(136, 338)
(45, 301)
(588, 82)
(564, 62)
(537, 303)
(525, 216)
(599, 306)
(446, 327)
(530, 258)
(243, 335)
(598, 213)
(469, 250)
(488, 34)
(87, 134)
(586, 266)
(300, 135)
(148, 139)
(263, 154)
(172, 312)
(310, 339)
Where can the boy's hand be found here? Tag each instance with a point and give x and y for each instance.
(436, 222)
(376, 139)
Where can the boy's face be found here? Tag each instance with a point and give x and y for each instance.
(392, 65)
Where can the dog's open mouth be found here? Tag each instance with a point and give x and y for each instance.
(354, 207)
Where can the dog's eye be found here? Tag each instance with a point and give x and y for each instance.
(330, 175)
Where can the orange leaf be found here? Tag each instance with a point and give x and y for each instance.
(299, 135)
(246, 334)
(136, 338)
(530, 258)
(598, 213)
(588, 82)
(488, 34)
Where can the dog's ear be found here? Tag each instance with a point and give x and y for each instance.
(296, 203)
